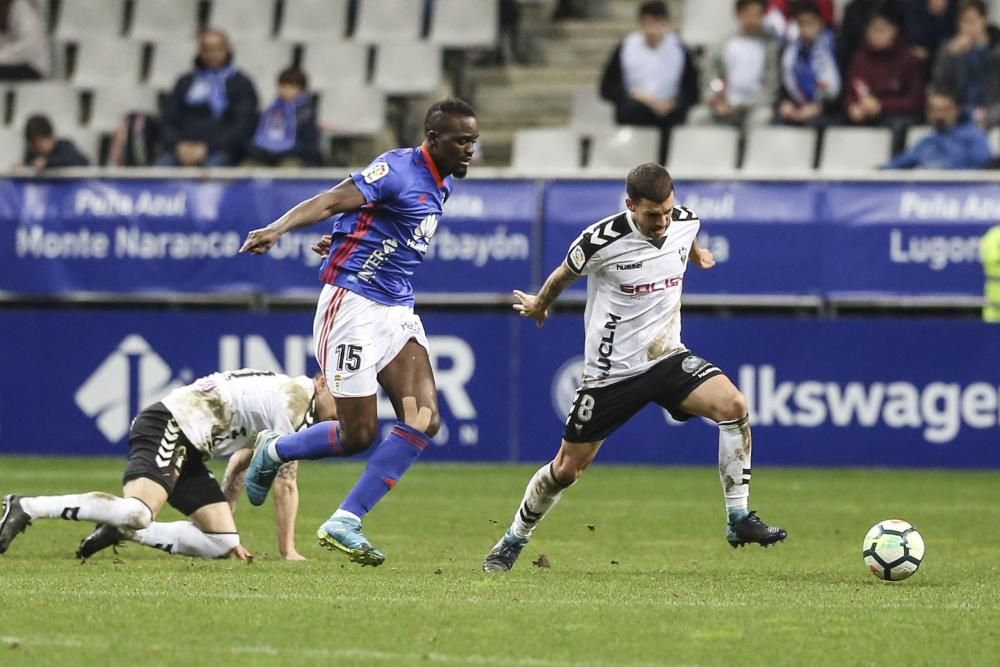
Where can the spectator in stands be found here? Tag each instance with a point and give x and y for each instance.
(44, 150)
(287, 134)
(969, 66)
(885, 84)
(952, 144)
(743, 73)
(24, 45)
(809, 74)
(210, 116)
(854, 23)
(650, 77)
(928, 25)
(780, 17)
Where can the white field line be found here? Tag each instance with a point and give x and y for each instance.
(95, 643)
(571, 602)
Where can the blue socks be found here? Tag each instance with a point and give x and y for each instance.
(319, 441)
(391, 458)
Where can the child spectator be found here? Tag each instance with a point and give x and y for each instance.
(287, 134)
(809, 73)
(45, 151)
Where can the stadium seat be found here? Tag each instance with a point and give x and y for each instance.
(465, 23)
(243, 19)
(994, 137)
(546, 151)
(158, 19)
(703, 148)
(87, 19)
(94, 55)
(388, 21)
(332, 63)
(262, 61)
(625, 148)
(314, 21)
(356, 112)
(915, 133)
(855, 149)
(11, 146)
(110, 103)
(88, 140)
(590, 115)
(408, 69)
(780, 149)
(59, 101)
(707, 22)
(171, 59)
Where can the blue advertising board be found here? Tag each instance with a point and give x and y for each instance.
(901, 392)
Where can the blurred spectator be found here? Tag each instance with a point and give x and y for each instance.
(928, 24)
(989, 253)
(24, 45)
(210, 116)
(287, 134)
(951, 144)
(855, 21)
(743, 73)
(885, 84)
(44, 151)
(969, 66)
(650, 76)
(780, 17)
(809, 74)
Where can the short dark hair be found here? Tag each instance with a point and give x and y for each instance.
(656, 9)
(649, 181)
(977, 5)
(293, 77)
(887, 10)
(450, 106)
(806, 7)
(740, 4)
(38, 127)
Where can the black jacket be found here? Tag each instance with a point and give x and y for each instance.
(613, 82)
(65, 154)
(231, 132)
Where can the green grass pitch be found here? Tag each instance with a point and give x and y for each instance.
(640, 574)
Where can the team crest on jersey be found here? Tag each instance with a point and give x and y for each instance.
(692, 364)
(374, 172)
(683, 252)
(577, 258)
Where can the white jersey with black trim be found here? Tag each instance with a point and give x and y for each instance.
(222, 413)
(634, 286)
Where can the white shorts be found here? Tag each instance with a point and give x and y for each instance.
(356, 338)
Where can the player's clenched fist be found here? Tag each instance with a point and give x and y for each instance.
(530, 306)
(260, 241)
(322, 247)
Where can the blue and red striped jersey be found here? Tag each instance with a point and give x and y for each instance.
(376, 248)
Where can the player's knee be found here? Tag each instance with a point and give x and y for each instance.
(357, 438)
(430, 424)
(732, 407)
(137, 515)
(221, 544)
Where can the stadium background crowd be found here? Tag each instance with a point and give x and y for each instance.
(764, 85)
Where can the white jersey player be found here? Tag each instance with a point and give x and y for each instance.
(169, 442)
(635, 262)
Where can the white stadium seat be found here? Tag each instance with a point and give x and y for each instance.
(262, 61)
(94, 58)
(625, 148)
(243, 19)
(87, 140)
(708, 22)
(59, 101)
(590, 115)
(11, 146)
(358, 111)
(87, 19)
(408, 68)
(780, 149)
(465, 23)
(111, 103)
(546, 151)
(332, 63)
(703, 148)
(388, 21)
(855, 149)
(158, 19)
(170, 60)
(314, 21)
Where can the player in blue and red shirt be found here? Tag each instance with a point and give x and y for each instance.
(365, 331)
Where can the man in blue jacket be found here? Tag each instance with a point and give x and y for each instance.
(951, 145)
(211, 114)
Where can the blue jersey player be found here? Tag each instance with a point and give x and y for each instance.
(365, 331)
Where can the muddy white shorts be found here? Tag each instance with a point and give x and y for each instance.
(356, 338)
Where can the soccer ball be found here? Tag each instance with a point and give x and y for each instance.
(893, 550)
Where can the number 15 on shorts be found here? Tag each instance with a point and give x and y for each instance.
(348, 357)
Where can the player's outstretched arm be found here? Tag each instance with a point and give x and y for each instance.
(345, 196)
(701, 257)
(536, 306)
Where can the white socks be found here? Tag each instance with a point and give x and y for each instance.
(734, 462)
(542, 494)
(96, 506)
(186, 539)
